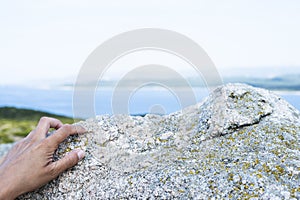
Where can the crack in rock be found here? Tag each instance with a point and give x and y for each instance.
(230, 108)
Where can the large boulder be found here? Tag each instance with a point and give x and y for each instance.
(240, 142)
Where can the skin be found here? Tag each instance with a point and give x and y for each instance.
(29, 164)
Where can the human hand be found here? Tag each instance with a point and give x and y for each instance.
(29, 164)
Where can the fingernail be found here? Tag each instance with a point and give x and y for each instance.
(80, 154)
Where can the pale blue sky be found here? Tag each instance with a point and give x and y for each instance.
(51, 39)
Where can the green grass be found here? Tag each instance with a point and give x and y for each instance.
(16, 123)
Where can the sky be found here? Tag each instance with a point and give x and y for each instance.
(50, 40)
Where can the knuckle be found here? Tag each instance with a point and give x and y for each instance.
(67, 128)
(46, 144)
(72, 159)
(44, 119)
(53, 170)
(32, 135)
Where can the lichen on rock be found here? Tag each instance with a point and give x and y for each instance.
(241, 142)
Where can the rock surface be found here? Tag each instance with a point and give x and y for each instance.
(240, 142)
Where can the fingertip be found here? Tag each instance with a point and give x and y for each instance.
(69, 160)
(80, 154)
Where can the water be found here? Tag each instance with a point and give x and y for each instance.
(145, 100)
(53, 101)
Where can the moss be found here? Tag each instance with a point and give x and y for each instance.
(259, 175)
(266, 168)
(193, 172)
(5, 138)
(182, 158)
(130, 182)
(280, 137)
(68, 149)
(211, 156)
(230, 177)
(279, 169)
(256, 161)
(161, 140)
(237, 188)
(246, 166)
(195, 150)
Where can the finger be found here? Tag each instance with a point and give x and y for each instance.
(62, 133)
(46, 123)
(68, 161)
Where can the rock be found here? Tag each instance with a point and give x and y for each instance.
(240, 142)
(3, 149)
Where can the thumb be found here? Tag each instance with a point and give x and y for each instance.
(69, 160)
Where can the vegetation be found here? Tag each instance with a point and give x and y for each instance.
(16, 123)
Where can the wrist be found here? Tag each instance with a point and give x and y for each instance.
(7, 187)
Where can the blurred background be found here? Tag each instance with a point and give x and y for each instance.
(45, 43)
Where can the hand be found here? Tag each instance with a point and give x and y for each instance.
(29, 164)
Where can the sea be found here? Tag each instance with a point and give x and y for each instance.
(107, 101)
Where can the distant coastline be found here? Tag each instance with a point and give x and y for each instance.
(289, 82)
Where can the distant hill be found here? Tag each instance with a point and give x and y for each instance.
(28, 114)
(289, 82)
(16, 123)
